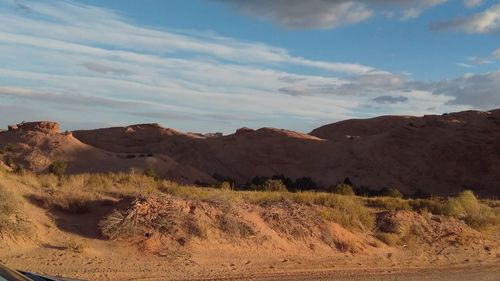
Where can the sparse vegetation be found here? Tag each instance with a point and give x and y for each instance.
(12, 222)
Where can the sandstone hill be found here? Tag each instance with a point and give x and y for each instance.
(440, 154)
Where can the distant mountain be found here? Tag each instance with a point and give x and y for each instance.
(440, 154)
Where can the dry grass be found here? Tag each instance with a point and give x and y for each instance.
(391, 239)
(77, 194)
(66, 200)
(12, 221)
(388, 203)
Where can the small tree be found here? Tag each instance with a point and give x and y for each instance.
(274, 185)
(58, 168)
(342, 189)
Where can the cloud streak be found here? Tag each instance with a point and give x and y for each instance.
(487, 21)
(67, 58)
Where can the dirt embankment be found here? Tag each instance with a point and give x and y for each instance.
(214, 234)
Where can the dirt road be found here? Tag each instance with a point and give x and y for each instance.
(491, 273)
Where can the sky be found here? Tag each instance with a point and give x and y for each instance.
(217, 65)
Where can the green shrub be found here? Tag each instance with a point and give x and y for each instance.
(58, 168)
(342, 189)
(468, 208)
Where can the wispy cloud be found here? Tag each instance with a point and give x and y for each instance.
(66, 57)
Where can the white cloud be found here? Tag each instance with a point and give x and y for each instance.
(326, 14)
(93, 65)
(487, 21)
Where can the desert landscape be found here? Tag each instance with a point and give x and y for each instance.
(266, 140)
(144, 202)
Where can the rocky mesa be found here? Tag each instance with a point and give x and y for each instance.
(440, 154)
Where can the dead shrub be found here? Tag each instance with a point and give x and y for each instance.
(154, 214)
(291, 219)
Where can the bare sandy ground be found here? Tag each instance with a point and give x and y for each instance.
(490, 273)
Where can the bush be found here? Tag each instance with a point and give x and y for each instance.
(468, 208)
(225, 185)
(58, 168)
(391, 192)
(342, 189)
(274, 185)
(150, 172)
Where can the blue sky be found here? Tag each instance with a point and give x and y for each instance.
(216, 65)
